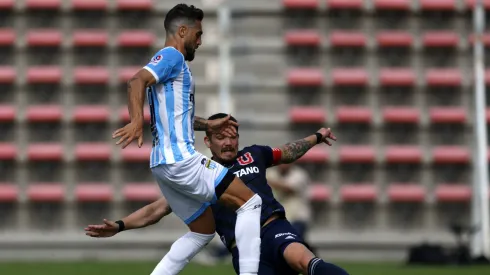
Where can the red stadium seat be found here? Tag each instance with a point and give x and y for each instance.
(349, 77)
(134, 154)
(7, 113)
(357, 154)
(303, 38)
(392, 4)
(91, 75)
(7, 37)
(134, 5)
(403, 154)
(44, 38)
(124, 114)
(6, 4)
(440, 39)
(90, 38)
(443, 77)
(471, 3)
(8, 151)
(44, 113)
(451, 155)
(94, 192)
(89, 4)
(303, 4)
(442, 5)
(44, 74)
(447, 115)
(319, 192)
(7, 74)
(345, 4)
(485, 39)
(358, 193)
(92, 151)
(307, 115)
(401, 115)
(46, 192)
(340, 38)
(397, 77)
(406, 193)
(45, 152)
(136, 38)
(305, 77)
(127, 73)
(141, 192)
(348, 114)
(43, 4)
(394, 39)
(8, 192)
(91, 113)
(317, 154)
(453, 193)
(487, 77)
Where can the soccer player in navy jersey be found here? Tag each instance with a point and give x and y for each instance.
(283, 251)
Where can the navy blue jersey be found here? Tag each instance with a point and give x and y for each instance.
(250, 166)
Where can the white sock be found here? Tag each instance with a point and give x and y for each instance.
(181, 252)
(247, 234)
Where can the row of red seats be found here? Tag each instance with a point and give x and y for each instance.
(80, 4)
(295, 77)
(395, 154)
(343, 114)
(386, 77)
(79, 38)
(426, 5)
(306, 37)
(54, 74)
(392, 115)
(100, 192)
(54, 113)
(388, 38)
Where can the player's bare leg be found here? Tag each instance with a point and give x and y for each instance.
(202, 231)
(248, 206)
(301, 259)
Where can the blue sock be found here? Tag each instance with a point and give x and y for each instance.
(318, 267)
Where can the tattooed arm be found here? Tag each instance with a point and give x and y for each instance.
(200, 124)
(292, 151)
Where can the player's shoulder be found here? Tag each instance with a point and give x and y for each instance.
(256, 149)
(170, 54)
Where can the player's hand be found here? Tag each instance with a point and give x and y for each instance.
(223, 126)
(128, 133)
(327, 134)
(108, 229)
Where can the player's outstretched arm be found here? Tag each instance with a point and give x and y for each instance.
(136, 100)
(143, 217)
(292, 151)
(224, 125)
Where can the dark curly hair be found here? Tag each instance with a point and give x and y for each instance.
(182, 13)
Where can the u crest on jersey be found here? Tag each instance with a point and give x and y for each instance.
(246, 159)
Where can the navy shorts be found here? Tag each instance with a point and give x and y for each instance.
(276, 236)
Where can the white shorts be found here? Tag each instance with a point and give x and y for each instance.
(189, 186)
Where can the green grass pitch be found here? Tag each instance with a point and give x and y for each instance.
(142, 268)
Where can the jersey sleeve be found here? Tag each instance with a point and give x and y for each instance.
(165, 65)
(271, 156)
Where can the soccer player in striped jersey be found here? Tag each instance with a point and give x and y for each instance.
(283, 250)
(189, 181)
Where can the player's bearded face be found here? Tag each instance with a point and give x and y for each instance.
(193, 41)
(190, 51)
(224, 148)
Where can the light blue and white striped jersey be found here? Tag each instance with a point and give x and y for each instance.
(171, 102)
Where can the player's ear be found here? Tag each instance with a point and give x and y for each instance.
(207, 141)
(183, 31)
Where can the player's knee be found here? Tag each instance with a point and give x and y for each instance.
(254, 203)
(201, 239)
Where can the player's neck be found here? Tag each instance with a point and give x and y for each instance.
(175, 44)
